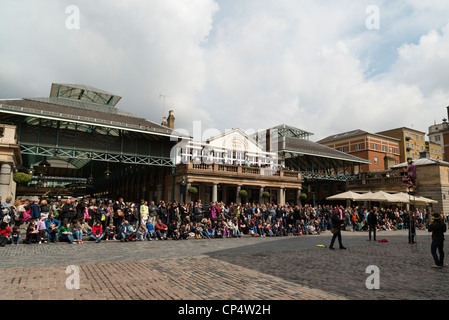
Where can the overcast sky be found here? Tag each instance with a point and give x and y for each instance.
(322, 66)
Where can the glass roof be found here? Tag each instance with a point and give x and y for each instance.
(84, 93)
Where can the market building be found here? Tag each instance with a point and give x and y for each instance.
(275, 165)
(77, 142)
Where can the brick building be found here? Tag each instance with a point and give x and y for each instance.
(381, 151)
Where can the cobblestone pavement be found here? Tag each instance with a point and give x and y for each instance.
(286, 268)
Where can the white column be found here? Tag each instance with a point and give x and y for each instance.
(281, 199)
(214, 192)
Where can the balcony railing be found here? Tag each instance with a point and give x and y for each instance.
(242, 171)
(376, 182)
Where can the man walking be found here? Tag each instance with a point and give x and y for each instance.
(438, 228)
(337, 223)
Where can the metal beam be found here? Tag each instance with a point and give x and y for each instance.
(93, 155)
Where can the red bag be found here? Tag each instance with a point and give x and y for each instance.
(26, 216)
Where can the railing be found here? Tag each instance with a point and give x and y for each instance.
(376, 181)
(82, 118)
(235, 170)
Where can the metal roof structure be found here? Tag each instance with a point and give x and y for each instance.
(314, 160)
(81, 123)
(83, 93)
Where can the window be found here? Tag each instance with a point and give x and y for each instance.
(384, 148)
(407, 145)
(358, 146)
(374, 146)
(186, 155)
(376, 160)
(391, 149)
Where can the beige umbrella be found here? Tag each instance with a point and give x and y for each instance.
(379, 196)
(414, 199)
(348, 195)
(404, 198)
(368, 196)
(422, 200)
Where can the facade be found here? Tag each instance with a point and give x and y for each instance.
(95, 147)
(411, 142)
(274, 165)
(92, 148)
(381, 151)
(435, 150)
(435, 133)
(439, 134)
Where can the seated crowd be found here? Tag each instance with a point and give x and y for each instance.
(96, 220)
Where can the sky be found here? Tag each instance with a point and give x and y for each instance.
(322, 66)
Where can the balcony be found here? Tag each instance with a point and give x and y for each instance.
(235, 171)
(377, 184)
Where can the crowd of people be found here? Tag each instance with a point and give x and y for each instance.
(25, 221)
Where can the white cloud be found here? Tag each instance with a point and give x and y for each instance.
(248, 64)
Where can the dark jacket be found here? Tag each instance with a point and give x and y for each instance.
(372, 219)
(336, 221)
(438, 228)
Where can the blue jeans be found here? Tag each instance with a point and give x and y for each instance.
(52, 236)
(97, 239)
(66, 237)
(16, 240)
(78, 234)
(437, 245)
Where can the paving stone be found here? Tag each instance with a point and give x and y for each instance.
(286, 268)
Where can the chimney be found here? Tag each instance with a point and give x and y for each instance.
(268, 141)
(164, 121)
(171, 120)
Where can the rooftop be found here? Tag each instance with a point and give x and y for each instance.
(80, 103)
(353, 133)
